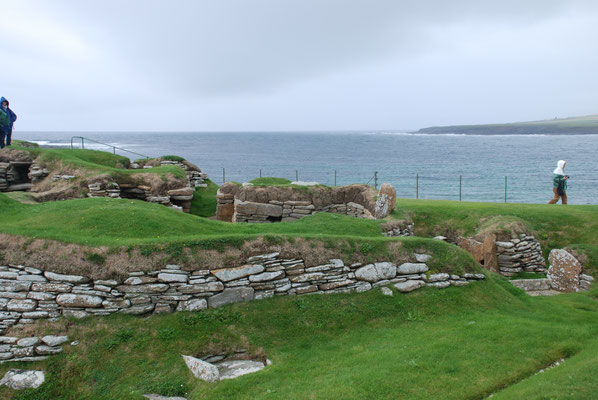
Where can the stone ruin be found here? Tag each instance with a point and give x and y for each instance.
(257, 204)
(507, 257)
(523, 253)
(20, 172)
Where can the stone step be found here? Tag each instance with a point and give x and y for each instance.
(20, 187)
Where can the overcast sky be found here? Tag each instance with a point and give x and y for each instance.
(250, 65)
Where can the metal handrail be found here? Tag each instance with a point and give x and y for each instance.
(83, 139)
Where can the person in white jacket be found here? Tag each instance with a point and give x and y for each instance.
(559, 183)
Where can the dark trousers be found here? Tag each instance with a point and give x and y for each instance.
(8, 138)
(2, 134)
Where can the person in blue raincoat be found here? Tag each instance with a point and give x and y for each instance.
(12, 117)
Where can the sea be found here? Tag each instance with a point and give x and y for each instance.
(498, 168)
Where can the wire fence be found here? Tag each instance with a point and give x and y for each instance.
(417, 186)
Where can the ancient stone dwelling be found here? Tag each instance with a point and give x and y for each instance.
(19, 171)
(260, 204)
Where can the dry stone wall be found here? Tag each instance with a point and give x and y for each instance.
(28, 294)
(522, 253)
(275, 204)
(30, 348)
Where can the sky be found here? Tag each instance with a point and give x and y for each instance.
(295, 65)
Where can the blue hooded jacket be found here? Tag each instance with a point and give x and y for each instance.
(11, 115)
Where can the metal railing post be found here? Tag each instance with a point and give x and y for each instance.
(223, 175)
(375, 179)
(334, 177)
(459, 187)
(260, 172)
(505, 189)
(417, 186)
(296, 175)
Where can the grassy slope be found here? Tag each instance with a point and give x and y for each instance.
(458, 343)
(574, 125)
(554, 226)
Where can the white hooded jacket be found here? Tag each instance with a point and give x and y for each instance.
(559, 168)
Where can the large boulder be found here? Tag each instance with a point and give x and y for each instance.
(202, 370)
(251, 208)
(564, 271)
(231, 295)
(386, 201)
(376, 272)
(19, 379)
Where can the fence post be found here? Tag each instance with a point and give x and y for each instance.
(375, 179)
(505, 189)
(296, 175)
(417, 186)
(82, 143)
(260, 172)
(113, 150)
(223, 175)
(334, 177)
(459, 187)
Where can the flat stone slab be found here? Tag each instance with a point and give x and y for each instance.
(376, 272)
(19, 379)
(201, 369)
(550, 292)
(412, 268)
(409, 286)
(530, 285)
(234, 369)
(158, 397)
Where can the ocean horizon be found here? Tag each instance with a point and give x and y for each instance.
(427, 166)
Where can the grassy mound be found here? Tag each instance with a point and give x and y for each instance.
(88, 162)
(457, 343)
(154, 229)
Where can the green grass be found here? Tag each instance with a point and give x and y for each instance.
(97, 162)
(575, 125)
(117, 223)
(527, 275)
(457, 343)
(281, 182)
(554, 226)
(204, 200)
(270, 181)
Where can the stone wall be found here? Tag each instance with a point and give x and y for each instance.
(520, 254)
(274, 204)
(32, 348)
(508, 257)
(397, 228)
(23, 175)
(28, 294)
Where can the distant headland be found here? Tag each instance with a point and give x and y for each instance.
(584, 125)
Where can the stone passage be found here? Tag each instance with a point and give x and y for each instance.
(258, 204)
(14, 176)
(509, 257)
(27, 293)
